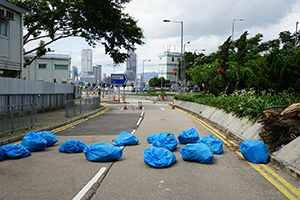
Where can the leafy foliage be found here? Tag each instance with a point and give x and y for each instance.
(250, 63)
(97, 21)
(157, 82)
(243, 103)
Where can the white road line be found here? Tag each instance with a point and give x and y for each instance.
(138, 123)
(162, 108)
(133, 131)
(142, 114)
(86, 188)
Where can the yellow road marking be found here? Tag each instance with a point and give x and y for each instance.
(226, 140)
(74, 123)
(79, 121)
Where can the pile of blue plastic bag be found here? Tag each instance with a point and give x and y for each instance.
(31, 142)
(196, 149)
(159, 155)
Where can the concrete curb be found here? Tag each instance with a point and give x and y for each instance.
(287, 158)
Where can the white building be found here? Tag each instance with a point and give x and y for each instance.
(11, 37)
(86, 62)
(167, 64)
(50, 68)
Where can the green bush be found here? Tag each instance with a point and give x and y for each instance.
(243, 104)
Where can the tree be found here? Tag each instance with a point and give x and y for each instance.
(156, 82)
(97, 21)
(287, 39)
(241, 55)
(223, 60)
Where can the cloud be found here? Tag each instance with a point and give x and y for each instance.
(207, 24)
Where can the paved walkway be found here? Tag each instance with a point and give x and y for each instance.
(45, 121)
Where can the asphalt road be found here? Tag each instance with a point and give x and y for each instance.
(53, 175)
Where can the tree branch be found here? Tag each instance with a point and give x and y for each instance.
(55, 39)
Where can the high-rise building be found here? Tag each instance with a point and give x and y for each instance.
(97, 73)
(86, 61)
(131, 64)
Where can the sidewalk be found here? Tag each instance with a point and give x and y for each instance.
(45, 121)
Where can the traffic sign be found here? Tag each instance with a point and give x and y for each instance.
(119, 79)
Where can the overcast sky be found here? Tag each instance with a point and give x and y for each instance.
(207, 24)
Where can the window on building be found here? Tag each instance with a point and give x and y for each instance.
(172, 59)
(42, 66)
(61, 67)
(3, 29)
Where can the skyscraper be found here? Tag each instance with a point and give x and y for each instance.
(131, 63)
(97, 73)
(86, 61)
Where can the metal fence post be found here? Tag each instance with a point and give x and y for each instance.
(67, 109)
(31, 117)
(74, 107)
(80, 106)
(84, 105)
(12, 119)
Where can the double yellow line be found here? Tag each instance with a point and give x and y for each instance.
(258, 167)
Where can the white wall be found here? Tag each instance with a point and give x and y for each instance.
(32, 72)
(167, 62)
(11, 47)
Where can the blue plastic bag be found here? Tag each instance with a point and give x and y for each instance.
(151, 138)
(189, 136)
(125, 138)
(159, 157)
(165, 140)
(2, 155)
(15, 151)
(255, 151)
(49, 136)
(71, 146)
(34, 142)
(214, 144)
(102, 152)
(198, 152)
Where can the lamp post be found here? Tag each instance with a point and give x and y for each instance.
(233, 26)
(195, 56)
(184, 67)
(181, 46)
(143, 69)
(296, 34)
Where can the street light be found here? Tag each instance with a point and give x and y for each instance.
(183, 70)
(113, 65)
(233, 26)
(181, 45)
(296, 34)
(143, 68)
(195, 56)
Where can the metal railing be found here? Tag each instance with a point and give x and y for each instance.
(15, 117)
(75, 107)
